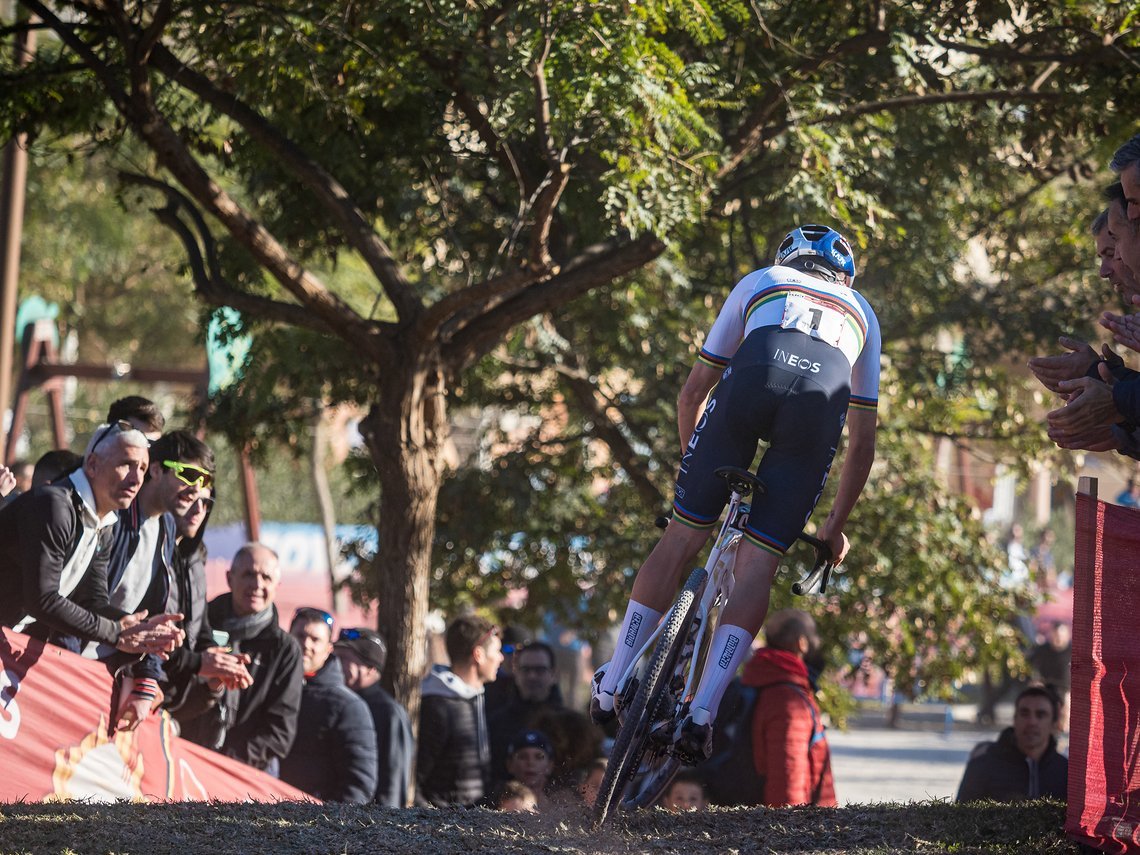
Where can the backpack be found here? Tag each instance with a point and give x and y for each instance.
(730, 772)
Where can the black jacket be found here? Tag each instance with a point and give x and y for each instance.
(182, 667)
(1002, 773)
(453, 760)
(334, 754)
(394, 746)
(255, 725)
(41, 530)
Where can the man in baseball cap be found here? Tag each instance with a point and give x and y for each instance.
(362, 654)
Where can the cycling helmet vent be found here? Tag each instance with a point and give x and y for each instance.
(819, 241)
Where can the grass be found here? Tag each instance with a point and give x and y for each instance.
(929, 827)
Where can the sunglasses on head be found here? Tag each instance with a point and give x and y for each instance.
(354, 634)
(190, 475)
(310, 614)
(117, 427)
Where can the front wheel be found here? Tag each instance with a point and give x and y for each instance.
(649, 702)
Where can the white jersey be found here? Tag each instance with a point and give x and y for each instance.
(787, 298)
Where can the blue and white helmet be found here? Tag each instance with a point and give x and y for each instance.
(814, 240)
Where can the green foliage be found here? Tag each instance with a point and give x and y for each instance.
(960, 146)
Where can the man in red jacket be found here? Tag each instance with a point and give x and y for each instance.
(789, 749)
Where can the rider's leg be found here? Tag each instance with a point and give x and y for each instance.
(740, 621)
(653, 590)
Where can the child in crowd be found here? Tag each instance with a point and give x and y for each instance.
(686, 793)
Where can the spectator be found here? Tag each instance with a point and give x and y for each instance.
(334, 754)
(14, 480)
(255, 725)
(1051, 661)
(1130, 496)
(534, 690)
(140, 566)
(1043, 562)
(200, 658)
(790, 751)
(54, 465)
(685, 793)
(530, 759)
(1023, 763)
(141, 563)
(57, 540)
(501, 691)
(516, 797)
(141, 412)
(453, 759)
(1126, 164)
(362, 654)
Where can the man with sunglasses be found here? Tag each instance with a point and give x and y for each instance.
(141, 568)
(362, 654)
(334, 754)
(53, 571)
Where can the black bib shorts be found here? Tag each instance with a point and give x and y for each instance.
(790, 390)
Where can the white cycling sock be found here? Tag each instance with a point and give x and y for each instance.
(730, 649)
(639, 623)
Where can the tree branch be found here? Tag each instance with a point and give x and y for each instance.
(201, 256)
(752, 132)
(595, 266)
(333, 197)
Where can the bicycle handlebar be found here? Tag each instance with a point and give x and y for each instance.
(821, 572)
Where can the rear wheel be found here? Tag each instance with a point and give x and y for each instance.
(650, 703)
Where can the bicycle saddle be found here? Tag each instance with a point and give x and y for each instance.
(741, 480)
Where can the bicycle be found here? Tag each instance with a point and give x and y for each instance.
(662, 683)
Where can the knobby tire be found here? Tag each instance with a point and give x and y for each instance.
(629, 745)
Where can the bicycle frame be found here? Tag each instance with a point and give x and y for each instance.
(720, 586)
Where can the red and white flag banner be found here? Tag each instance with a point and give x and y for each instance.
(55, 744)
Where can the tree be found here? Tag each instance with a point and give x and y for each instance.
(398, 190)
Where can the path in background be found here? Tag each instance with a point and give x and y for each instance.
(917, 762)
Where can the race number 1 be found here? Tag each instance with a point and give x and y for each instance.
(814, 317)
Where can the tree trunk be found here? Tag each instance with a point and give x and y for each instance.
(405, 436)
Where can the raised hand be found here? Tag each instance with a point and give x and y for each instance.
(1089, 406)
(1125, 329)
(1096, 439)
(1051, 370)
(7, 481)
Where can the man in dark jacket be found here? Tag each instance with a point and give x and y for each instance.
(200, 657)
(1024, 762)
(790, 752)
(53, 571)
(255, 725)
(453, 760)
(534, 690)
(362, 654)
(334, 754)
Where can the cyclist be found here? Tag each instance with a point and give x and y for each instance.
(793, 354)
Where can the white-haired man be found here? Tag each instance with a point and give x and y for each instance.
(53, 574)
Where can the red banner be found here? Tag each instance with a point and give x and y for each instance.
(1104, 742)
(54, 740)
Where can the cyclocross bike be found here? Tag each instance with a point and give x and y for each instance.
(657, 686)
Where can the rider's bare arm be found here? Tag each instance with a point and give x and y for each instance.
(692, 398)
(861, 428)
